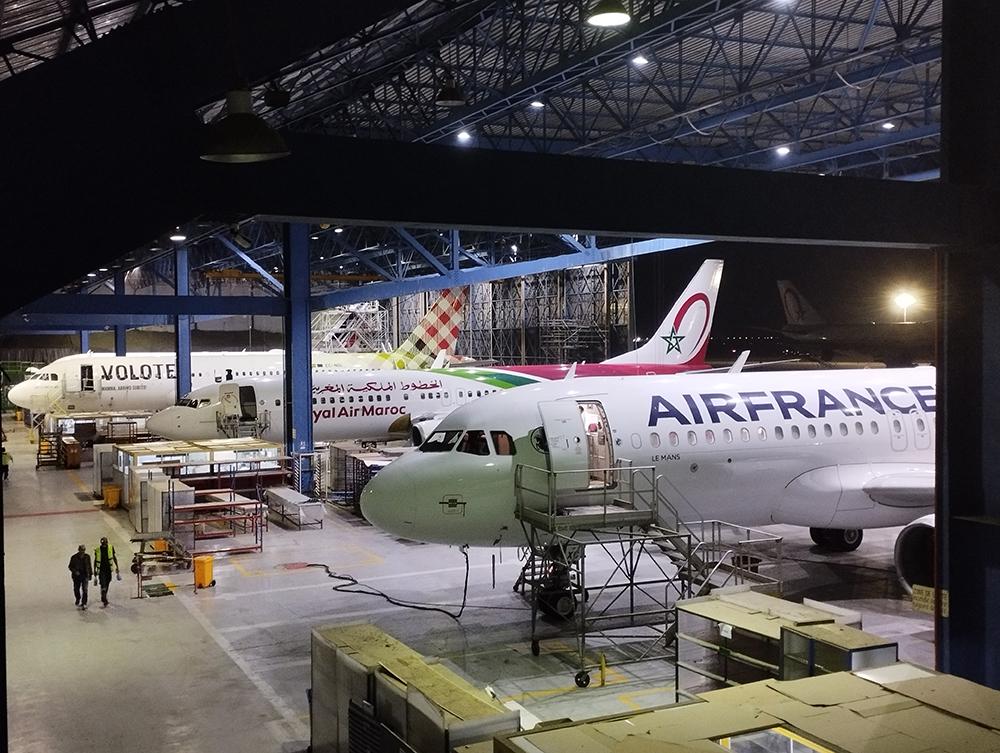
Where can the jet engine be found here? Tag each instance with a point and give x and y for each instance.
(420, 430)
(914, 553)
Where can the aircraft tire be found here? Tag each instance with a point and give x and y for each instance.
(582, 679)
(837, 539)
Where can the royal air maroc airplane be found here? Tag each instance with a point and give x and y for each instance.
(346, 406)
(147, 381)
(835, 451)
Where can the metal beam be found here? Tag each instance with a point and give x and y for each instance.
(298, 342)
(481, 189)
(69, 322)
(882, 141)
(120, 331)
(419, 247)
(150, 305)
(182, 323)
(268, 278)
(392, 289)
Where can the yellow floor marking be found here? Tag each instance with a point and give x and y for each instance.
(614, 678)
(79, 481)
(365, 558)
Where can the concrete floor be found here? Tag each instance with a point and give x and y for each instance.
(226, 669)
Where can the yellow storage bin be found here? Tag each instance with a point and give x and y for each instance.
(203, 571)
(112, 495)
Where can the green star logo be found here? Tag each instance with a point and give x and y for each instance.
(673, 340)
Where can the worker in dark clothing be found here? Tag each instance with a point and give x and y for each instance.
(79, 566)
(104, 558)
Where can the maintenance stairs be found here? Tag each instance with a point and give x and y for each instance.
(656, 558)
(47, 453)
(235, 426)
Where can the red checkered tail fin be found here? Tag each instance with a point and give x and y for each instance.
(437, 331)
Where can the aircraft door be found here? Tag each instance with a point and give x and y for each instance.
(567, 443)
(87, 381)
(897, 431)
(248, 403)
(229, 397)
(921, 429)
(600, 449)
(74, 383)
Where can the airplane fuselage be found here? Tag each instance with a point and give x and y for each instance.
(845, 449)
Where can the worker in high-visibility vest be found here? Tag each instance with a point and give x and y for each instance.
(104, 558)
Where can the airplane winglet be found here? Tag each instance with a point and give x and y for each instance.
(739, 363)
(441, 360)
(571, 374)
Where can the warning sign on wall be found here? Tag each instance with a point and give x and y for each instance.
(923, 600)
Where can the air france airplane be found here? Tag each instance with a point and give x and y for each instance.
(678, 345)
(836, 451)
(147, 381)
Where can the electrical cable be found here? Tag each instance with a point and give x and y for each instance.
(352, 585)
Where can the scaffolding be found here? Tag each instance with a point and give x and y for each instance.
(360, 327)
(655, 559)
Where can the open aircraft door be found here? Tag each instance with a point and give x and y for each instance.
(567, 444)
(229, 400)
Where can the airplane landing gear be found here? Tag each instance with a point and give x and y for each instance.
(837, 539)
(582, 679)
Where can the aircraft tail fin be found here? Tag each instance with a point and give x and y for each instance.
(798, 311)
(682, 337)
(437, 331)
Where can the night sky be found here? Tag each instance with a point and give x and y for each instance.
(845, 285)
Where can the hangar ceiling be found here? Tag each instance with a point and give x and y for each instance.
(827, 87)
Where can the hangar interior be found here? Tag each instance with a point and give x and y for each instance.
(569, 178)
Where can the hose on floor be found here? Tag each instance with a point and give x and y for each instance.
(352, 585)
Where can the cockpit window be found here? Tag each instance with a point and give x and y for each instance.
(54, 377)
(474, 443)
(204, 401)
(441, 441)
(503, 443)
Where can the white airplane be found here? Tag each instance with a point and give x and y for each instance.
(836, 451)
(147, 381)
(370, 405)
(219, 410)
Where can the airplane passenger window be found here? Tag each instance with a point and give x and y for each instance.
(479, 393)
(315, 401)
(654, 439)
(795, 432)
(896, 426)
(438, 395)
(921, 426)
(727, 434)
(503, 443)
(692, 438)
(874, 427)
(474, 443)
(674, 439)
(406, 395)
(378, 398)
(440, 441)
(745, 434)
(811, 430)
(446, 396)
(827, 430)
(762, 433)
(843, 429)
(277, 403)
(636, 441)
(859, 429)
(709, 436)
(322, 401)
(341, 399)
(350, 398)
(779, 433)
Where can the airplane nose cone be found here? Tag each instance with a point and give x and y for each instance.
(18, 394)
(163, 423)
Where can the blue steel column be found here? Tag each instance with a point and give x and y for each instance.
(298, 341)
(968, 476)
(182, 323)
(120, 330)
(84, 340)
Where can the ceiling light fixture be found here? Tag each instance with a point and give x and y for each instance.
(464, 137)
(607, 13)
(102, 269)
(450, 94)
(241, 136)
(888, 126)
(640, 59)
(177, 236)
(91, 274)
(338, 230)
(537, 104)
(782, 151)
